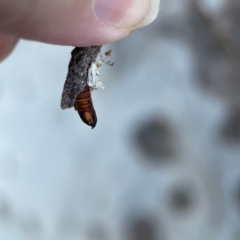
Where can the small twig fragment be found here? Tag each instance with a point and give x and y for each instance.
(108, 53)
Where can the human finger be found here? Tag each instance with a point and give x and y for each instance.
(75, 22)
(7, 43)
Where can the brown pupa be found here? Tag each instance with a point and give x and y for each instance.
(76, 91)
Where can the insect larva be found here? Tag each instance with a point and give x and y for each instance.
(83, 104)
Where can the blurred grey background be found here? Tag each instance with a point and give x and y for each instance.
(163, 162)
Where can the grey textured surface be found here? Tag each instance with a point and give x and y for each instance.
(77, 76)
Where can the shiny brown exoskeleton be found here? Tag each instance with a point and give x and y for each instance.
(83, 104)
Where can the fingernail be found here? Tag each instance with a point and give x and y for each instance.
(127, 14)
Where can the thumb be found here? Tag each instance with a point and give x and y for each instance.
(75, 22)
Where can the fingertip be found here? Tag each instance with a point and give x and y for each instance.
(76, 22)
(126, 14)
(7, 44)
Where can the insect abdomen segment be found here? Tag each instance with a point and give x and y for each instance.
(83, 104)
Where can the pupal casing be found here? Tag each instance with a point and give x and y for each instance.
(77, 80)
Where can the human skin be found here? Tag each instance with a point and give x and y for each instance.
(72, 22)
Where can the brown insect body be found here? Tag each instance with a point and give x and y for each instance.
(83, 104)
